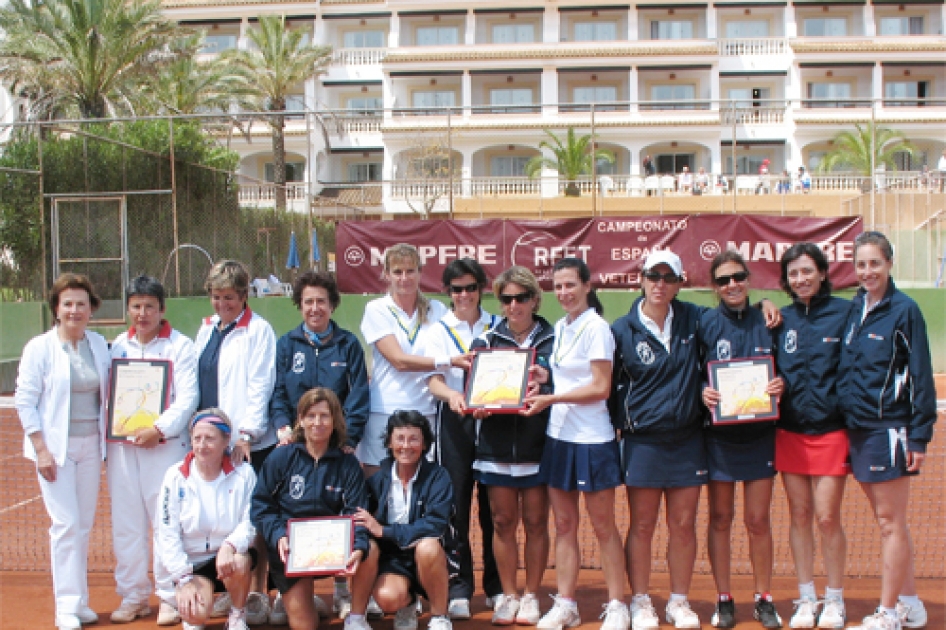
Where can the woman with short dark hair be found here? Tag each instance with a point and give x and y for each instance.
(61, 393)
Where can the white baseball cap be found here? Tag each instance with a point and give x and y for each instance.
(664, 257)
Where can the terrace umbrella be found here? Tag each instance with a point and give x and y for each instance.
(292, 261)
(315, 255)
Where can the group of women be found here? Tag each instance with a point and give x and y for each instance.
(625, 404)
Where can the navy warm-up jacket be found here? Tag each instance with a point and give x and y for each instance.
(431, 503)
(809, 352)
(886, 371)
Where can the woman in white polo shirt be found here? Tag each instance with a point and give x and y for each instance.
(581, 453)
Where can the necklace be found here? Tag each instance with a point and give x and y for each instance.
(521, 335)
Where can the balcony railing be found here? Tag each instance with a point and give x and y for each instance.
(266, 193)
(753, 116)
(344, 125)
(831, 103)
(761, 46)
(513, 186)
(358, 56)
(672, 105)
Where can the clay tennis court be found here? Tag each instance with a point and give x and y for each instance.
(26, 600)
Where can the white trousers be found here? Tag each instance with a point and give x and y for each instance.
(134, 482)
(70, 502)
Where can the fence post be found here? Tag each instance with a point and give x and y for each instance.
(177, 256)
(42, 210)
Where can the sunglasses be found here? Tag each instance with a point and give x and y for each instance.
(522, 298)
(457, 289)
(656, 276)
(722, 281)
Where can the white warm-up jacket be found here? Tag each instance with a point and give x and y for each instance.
(246, 375)
(43, 388)
(182, 542)
(172, 346)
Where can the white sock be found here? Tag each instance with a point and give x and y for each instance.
(910, 600)
(837, 593)
(354, 617)
(807, 591)
(890, 612)
(676, 597)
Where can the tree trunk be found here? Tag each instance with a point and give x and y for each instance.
(278, 122)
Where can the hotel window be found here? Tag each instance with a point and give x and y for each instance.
(596, 31)
(433, 99)
(218, 43)
(901, 26)
(367, 172)
(510, 100)
(671, 29)
(437, 35)
(365, 105)
(508, 166)
(672, 97)
(295, 171)
(825, 27)
(829, 95)
(747, 29)
(513, 33)
(363, 39)
(603, 96)
(913, 93)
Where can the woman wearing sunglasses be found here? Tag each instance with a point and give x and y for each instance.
(742, 452)
(888, 398)
(655, 402)
(811, 443)
(464, 281)
(509, 452)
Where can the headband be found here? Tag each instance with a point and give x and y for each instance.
(213, 419)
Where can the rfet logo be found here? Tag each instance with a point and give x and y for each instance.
(354, 256)
(709, 248)
(543, 252)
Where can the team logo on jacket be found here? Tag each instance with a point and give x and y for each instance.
(723, 350)
(791, 341)
(296, 486)
(645, 353)
(298, 363)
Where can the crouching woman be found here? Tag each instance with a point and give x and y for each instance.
(204, 529)
(412, 500)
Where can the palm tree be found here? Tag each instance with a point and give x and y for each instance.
(852, 149)
(573, 158)
(278, 62)
(82, 57)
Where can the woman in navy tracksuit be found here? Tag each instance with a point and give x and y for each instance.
(318, 353)
(308, 478)
(742, 452)
(655, 403)
(889, 403)
(811, 444)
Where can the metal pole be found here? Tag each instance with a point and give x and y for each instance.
(450, 162)
(732, 150)
(594, 164)
(308, 197)
(177, 256)
(42, 210)
(873, 165)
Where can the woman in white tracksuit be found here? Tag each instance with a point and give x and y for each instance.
(60, 398)
(134, 469)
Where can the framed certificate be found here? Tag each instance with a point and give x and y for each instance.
(499, 378)
(319, 546)
(139, 391)
(741, 385)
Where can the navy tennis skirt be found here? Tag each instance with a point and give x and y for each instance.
(656, 463)
(734, 461)
(585, 467)
(878, 454)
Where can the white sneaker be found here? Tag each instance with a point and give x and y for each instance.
(357, 624)
(529, 613)
(128, 612)
(321, 607)
(562, 614)
(191, 626)
(440, 623)
(257, 609)
(236, 620)
(277, 615)
(504, 614)
(880, 621)
(459, 609)
(68, 622)
(806, 611)
(373, 611)
(615, 616)
(912, 616)
(681, 615)
(406, 618)
(87, 615)
(168, 615)
(491, 602)
(643, 615)
(833, 615)
(222, 606)
(341, 604)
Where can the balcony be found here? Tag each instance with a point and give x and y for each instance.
(756, 47)
(347, 125)
(263, 195)
(752, 115)
(358, 56)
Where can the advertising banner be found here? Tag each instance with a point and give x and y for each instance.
(614, 248)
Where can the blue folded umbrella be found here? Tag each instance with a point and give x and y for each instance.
(292, 261)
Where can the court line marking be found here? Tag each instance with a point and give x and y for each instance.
(20, 504)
